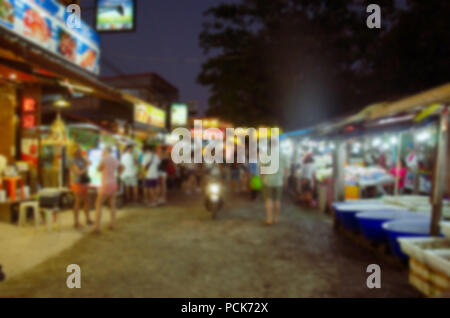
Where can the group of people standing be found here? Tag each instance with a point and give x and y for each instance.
(143, 177)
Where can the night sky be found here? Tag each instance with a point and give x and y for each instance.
(165, 42)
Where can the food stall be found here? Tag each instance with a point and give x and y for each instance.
(410, 218)
(38, 53)
(389, 179)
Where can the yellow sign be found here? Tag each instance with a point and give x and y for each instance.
(430, 110)
(150, 115)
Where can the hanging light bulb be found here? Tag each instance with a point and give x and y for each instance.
(394, 140)
(423, 136)
(376, 142)
(356, 147)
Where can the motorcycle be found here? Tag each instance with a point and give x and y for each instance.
(214, 193)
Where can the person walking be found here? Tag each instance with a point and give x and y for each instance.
(129, 175)
(150, 164)
(235, 177)
(189, 184)
(272, 189)
(80, 183)
(162, 170)
(308, 177)
(399, 173)
(107, 192)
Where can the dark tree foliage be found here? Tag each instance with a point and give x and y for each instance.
(415, 54)
(297, 62)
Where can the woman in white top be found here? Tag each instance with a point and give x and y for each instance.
(150, 163)
(129, 174)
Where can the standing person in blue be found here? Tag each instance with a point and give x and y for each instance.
(235, 175)
(141, 173)
(162, 170)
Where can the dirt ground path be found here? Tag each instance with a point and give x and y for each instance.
(178, 251)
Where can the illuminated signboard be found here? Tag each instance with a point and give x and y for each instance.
(179, 114)
(28, 112)
(28, 105)
(150, 115)
(28, 121)
(115, 15)
(43, 23)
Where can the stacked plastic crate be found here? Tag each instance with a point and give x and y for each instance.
(429, 262)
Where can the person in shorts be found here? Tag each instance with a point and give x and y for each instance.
(108, 167)
(272, 189)
(79, 186)
(150, 163)
(129, 174)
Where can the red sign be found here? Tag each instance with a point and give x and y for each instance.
(28, 121)
(28, 105)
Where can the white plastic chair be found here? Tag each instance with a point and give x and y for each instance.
(23, 208)
(48, 214)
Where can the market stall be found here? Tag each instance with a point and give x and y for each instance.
(40, 69)
(389, 174)
(409, 138)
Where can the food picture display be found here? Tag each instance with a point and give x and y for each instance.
(67, 45)
(43, 23)
(6, 12)
(87, 57)
(34, 24)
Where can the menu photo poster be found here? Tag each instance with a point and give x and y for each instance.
(29, 149)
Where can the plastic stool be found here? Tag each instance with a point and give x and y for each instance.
(23, 212)
(51, 216)
(11, 185)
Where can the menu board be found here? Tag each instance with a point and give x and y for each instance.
(115, 15)
(150, 115)
(43, 23)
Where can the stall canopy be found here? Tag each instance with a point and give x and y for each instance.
(33, 60)
(412, 109)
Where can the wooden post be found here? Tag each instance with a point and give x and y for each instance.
(439, 169)
(338, 171)
(339, 157)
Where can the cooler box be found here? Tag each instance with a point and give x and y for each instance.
(371, 222)
(419, 227)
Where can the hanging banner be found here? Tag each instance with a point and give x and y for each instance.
(43, 22)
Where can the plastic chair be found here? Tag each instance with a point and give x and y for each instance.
(24, 206)
(51, 217)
